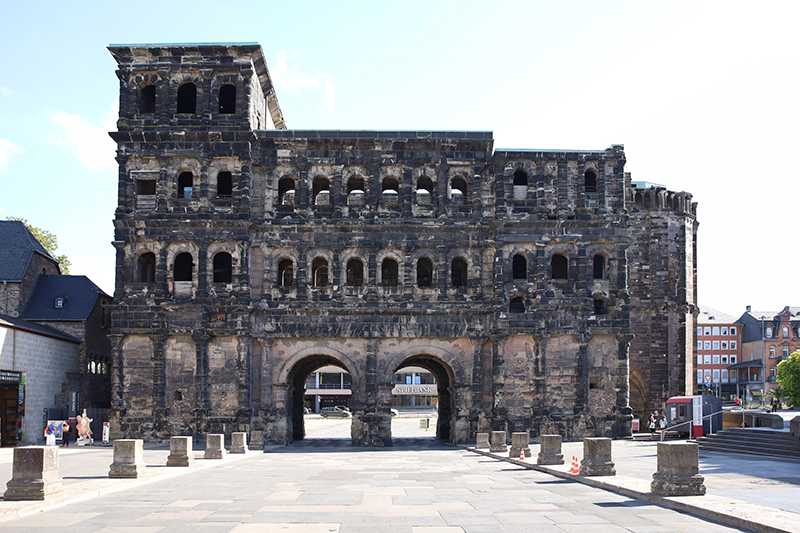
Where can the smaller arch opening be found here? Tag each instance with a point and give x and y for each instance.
(390, 191)
(599, 267)
(286, 191)
(146, 268)
(184, 266)
(389, 273)
(223, 268)
(321, 191)
(590, 181)
(520, 178)
(227, 99)
(148, 99)
(458, 190)
(285, 273)
(224, 184)
(187, 98)
(516, 305)
(560, 266)
(458, 272)
(424, 190)
(355, 273)
(424, 272)
(519, 267)
(600, 305)
(355, 191)
(185, 180)
(319, 267)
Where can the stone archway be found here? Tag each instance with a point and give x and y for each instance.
(445, 426)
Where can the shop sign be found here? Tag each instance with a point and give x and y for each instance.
(10, 377)
(414, 389)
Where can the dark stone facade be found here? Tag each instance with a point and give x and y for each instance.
(249, 257)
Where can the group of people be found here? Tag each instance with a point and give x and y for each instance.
(660, 423)
(81, 427)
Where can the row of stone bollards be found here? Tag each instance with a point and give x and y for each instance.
(677, 471)
(35, 468)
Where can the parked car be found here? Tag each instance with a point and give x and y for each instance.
(335, 412)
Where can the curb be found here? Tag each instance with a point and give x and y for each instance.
(725, 511)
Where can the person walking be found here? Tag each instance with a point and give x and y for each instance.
(65, 434)
(652, 424)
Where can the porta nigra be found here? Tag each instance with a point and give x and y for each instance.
(544, 289)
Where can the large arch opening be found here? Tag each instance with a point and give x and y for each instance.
(437, 395)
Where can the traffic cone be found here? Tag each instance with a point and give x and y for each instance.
(521, 454)
(575, 468)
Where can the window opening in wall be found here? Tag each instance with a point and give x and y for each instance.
(424, 190)
(459, 272)
(321, 191)
(424, 272)
(227, 99)
(146, 264)
(355, 191)
(59, 303)
(458, 190)
(224, 184)
(519, 267)
(772, 352)
(590, 181)
(145, 187)
(285, 273)
(785, 332)
(517, 305)
(185, 185)
(520, 185)
(560, 267)
(390, 191)
(223, 268)
(389, 273)
(769, 333)
(599, 267)
(320, 269)
(286, 191)
(178, 396)
(600, 306)
(149, 99)
(355, 273)
(187, 98)
(183, 267)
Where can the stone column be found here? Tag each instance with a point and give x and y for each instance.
(498, 442)
(597, 458)
(238, 442)
(201, 385)
(519, 445)
(482, 441)
(550, 450)
(582, 372)
(119, 285)
(243, 342)
(117, 371)
(34, 474)
(159, 372)
(215, 446)
(678, 471)
(256, 440)
(180, 452)
(498, 380)
(128, 459)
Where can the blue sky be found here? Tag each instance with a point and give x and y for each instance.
(702, 95)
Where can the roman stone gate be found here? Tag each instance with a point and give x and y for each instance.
(249, 255)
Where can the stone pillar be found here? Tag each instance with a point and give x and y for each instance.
(794, 426)
(256, 440)
(201, 381)
(519, 444)
(180, 452)
(215, 446)
(498, 442)
(677, 473)
(159, 341)
(482, 441)
(582, 371)
(35, 474)
(498, 381)
(238, 442)
(597, 458)
(117, 372)
(128, 459)
(550, 451)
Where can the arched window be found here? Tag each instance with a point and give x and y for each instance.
(146, 271)
(560, 266)
(319, 267)
(520, 178)
(517, 305)
(785, 332)
(424, 272)
(227, 99)
(519, 267)
(223, 268)
(286, 191)
(600, 307)
(355, 273)
(187, 98)
(224, 184)
(390, 190)
(458, 190)
(772, 352)
(355, 191)
(148, 99)
(458, 272)
(599, 267)
(185, 185)
(424, 190)
(285, 273)
(769, 332)
(321, 191)
(389, 273)
(184, 266)
(590, 181)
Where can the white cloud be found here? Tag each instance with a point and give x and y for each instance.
(293, 79)
(92, 145)
(5, 91)
(7, 149)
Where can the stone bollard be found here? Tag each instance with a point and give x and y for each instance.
(677, 473)
(794, 426)
(550, 451)
(498, 442)
(256, 440)
(35, 474)
(215, 446)
(180, 452)
(597, 458)
(520, 443)
(238, 442)
(128, 459)
(481, 441)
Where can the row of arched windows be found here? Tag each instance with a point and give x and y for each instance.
(186, 184)
(559, 267)
(589, 180)
(187, 99)
(183, 267)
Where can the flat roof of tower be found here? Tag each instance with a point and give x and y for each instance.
(170, 45)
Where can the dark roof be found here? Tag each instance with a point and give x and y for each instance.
(78, 292)
(709, 316)
(17, 246)
(755, 363)
(32, 327)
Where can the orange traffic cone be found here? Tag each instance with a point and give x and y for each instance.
(521, 454)
(575, 468)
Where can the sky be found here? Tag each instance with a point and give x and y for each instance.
(702, 94)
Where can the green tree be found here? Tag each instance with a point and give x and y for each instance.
(789, 377)
(50, 243)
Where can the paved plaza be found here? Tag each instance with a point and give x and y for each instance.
(323, 485)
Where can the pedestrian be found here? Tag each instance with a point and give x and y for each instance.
(652, 424)
(65, 434)
(662, 425)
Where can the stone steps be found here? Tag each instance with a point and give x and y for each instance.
(752, 442)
